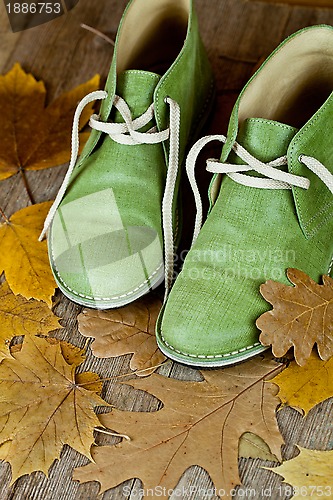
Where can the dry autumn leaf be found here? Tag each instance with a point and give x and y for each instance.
(310, 473)
(34, 137)
(130, 329)
(301, 316)
(23, 258)
(72, 354)
(19, 316)
(306, 386)
(252, 446)
(43, 407)
(215, 412)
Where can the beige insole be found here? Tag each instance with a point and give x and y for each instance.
(152, 35)
(294, 83)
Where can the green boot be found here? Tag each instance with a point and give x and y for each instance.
(117, 209)
(273, 208)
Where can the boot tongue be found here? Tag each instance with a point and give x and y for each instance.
(266, 140)
(137, 89)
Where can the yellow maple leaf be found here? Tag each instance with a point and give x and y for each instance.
(33, 136)
(44, 406)
(25, 259)
(72, 354)
(310, 473)
(19, 316)
(306, 386)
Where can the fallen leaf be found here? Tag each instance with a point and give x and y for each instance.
(90, 381)
(34, 137)
(72, 354)
(200, 424)
(253, 446)
(310, 473)
(301, 316)
(130, 329)
(25, 259)
(19, 316)
(42, 407)
(306, 386)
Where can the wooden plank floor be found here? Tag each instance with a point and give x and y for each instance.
(237, 34)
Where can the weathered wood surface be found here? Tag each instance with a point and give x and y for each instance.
(237, 34)
(307, 3)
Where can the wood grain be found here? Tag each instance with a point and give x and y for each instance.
(237, 34)
(307, 3)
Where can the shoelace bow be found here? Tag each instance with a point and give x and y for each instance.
(273, 177)
(128, 133)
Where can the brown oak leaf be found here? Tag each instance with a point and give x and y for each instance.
(19, 316)
(301, 316)
(44, 406)
(33, 136)
(130, 329)
(25, 259)
(200, 424)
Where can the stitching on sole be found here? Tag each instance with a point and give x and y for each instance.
(78, 294)
(107, 298)
(330, 267)
(218, 356)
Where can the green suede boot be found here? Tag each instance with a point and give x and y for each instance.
(273, 208)
(117, 209)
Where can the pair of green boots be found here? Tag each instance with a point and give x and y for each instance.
(115, 222)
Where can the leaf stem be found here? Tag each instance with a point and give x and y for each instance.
(97, 32)
(4, 216)
(115, 377)
(103, 431)
(26, 185)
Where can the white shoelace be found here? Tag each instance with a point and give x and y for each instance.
(128, 133)
(274, 178)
